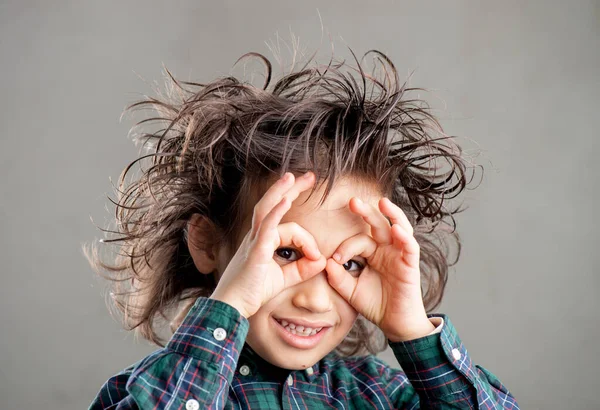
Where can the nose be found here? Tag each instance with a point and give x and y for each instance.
(314, 295)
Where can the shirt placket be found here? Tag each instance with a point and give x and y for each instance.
(291, 395)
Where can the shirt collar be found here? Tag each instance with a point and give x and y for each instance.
(261, 370)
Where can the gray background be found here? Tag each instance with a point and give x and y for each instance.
(519, 78)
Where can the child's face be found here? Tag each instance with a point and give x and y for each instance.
(314, 301)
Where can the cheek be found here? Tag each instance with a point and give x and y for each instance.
(259, 319)
(346, 312)
(259, 322)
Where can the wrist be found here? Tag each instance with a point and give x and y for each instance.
(232, 301)
(421, 329)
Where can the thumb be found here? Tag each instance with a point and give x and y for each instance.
(341, 280)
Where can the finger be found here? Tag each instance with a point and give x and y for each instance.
(270, 199)
(396, 214)
(360, 244)
(287, 186)
(380, 227)
(267, 237)
(410, 247)
(293, 234)
(301, 270)
(341, 280)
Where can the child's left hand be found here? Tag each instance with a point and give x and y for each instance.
(388, 290)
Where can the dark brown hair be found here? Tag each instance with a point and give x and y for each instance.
(221, 140)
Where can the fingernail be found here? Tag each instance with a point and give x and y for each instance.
(337, 257)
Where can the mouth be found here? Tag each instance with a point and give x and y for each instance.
(297, 335)
(299, 330)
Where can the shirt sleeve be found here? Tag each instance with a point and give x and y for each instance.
(193, 371)
(443, 375)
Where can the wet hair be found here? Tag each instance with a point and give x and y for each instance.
(216, 143)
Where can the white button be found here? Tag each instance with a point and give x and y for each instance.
(309, 371)
(290, 380)
(456, 354)
(220, 333)
(244, 370)
(192, 404)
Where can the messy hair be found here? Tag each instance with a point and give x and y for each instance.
(217, 142)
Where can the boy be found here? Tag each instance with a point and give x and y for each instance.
(292, 216)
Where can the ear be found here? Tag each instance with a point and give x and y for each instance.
(200, 239)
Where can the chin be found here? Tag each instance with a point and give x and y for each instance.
(297, 346)
(288, 351)
(288, 360)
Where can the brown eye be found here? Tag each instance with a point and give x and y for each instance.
(287, 254)
(352, 263)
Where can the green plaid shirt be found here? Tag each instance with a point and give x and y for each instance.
(206, 365)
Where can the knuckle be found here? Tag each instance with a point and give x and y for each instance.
(295, 228)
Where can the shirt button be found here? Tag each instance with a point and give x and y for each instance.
(290, 380)
(220, 333)
(309, 371)
(456, 354)
(244, 370)
(192, 404)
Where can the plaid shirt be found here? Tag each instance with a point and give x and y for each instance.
(206, 365)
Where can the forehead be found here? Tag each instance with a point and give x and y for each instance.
(336, 202)
(331, 222)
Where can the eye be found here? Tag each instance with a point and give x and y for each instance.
(352, 263)
(288, 254)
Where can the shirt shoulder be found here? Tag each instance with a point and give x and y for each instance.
(198, 361)
(114, 391)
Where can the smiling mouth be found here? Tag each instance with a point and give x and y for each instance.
(297, 329)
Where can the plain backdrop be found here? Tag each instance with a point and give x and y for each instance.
(518, 79)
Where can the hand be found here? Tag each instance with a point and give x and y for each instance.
(252, 277)
(388, 290)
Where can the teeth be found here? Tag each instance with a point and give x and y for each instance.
(299, 330)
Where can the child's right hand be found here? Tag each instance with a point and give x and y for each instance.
(253, 276)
